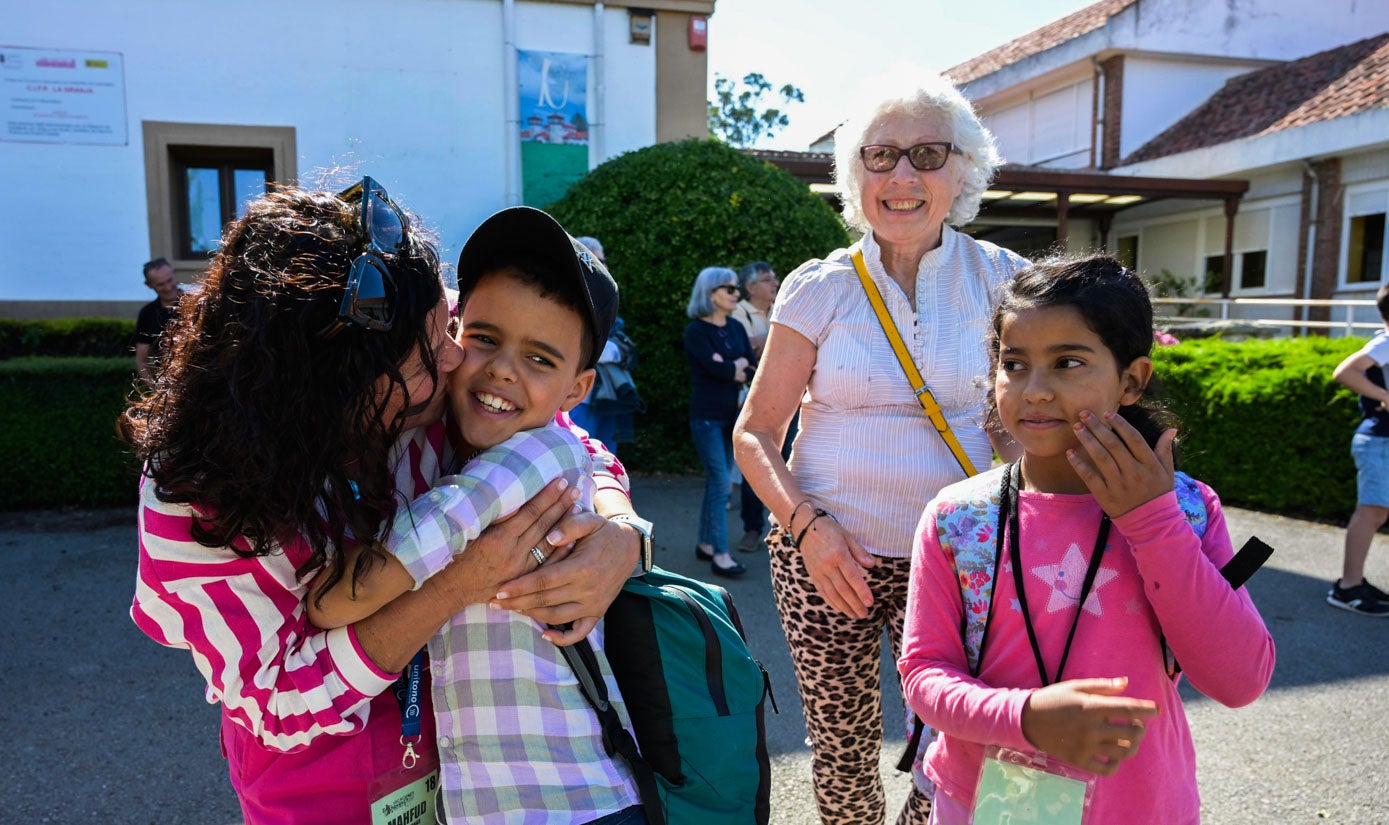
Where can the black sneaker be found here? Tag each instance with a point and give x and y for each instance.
(1378, 594)
(1358, 599)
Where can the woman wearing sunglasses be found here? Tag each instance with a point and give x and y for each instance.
(911, 165)
(721, 363)
(298, 408)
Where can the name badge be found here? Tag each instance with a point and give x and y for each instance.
(1017, 788)
(412, 804)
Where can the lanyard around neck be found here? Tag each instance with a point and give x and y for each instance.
(1009, 506)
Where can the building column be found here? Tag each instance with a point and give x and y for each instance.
(1113, 69)
(682, 101)
(1326, 248)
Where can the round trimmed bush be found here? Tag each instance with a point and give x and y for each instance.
(665, 212)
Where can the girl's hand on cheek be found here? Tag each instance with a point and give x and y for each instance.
(1118, 466)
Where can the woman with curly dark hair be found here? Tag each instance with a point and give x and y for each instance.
(298, 407)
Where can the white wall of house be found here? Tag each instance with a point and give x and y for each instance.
(1179, 236)
(1251, 29)
(1049, 126)
(1258, 29)
(409, 91)
(1160, 90)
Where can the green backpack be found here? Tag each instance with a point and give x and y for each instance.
(695, 696)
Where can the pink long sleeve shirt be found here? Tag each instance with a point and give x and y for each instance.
(1157, 577)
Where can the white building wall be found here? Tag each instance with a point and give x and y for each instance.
(1158, 92)
(1259, 29)
(1249, 29)
(1051, 127)
(409, 91)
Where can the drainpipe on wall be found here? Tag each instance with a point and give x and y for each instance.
(512, 106)
(1311, 236)
(1096, 122)
(597, 110)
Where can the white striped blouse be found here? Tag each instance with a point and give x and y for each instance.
(866, 451)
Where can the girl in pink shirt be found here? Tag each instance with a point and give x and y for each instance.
(1104, 572)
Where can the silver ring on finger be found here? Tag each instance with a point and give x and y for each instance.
(538, 555)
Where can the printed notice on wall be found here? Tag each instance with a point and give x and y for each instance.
(60, 96)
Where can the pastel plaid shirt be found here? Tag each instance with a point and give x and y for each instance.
(517, 741)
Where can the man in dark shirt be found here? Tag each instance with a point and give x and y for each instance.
(154, 316)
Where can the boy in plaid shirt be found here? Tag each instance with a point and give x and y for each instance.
(517, 740)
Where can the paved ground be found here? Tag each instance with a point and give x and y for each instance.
(98, 724)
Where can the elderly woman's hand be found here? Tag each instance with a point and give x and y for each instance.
(835, 562)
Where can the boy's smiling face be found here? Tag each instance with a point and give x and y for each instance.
(522, 356)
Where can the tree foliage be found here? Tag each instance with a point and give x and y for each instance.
(735, 115)
(665, 212)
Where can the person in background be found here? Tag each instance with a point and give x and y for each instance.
(912, 165)
(154, 317)
(759, 284)
(600, 426)
(1363, 372)
(721, 363)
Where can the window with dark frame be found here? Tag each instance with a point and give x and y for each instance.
(211, 187)
(1213, 279)
(1126, 251)
(1365, 262)
(1252, 268)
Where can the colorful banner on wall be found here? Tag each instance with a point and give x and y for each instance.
(554, 124)
(60, 96)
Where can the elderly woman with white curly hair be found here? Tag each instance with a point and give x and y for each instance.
(912, 166)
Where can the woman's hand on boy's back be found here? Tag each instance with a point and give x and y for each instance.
(1118, 466)
(1084, 723)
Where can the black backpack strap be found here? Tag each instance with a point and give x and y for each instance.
(617, 740)
(904, 764)
(1236, 571)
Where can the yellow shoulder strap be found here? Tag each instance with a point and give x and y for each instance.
(923, 393)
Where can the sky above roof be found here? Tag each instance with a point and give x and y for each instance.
(829, 48)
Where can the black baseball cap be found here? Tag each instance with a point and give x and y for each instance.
(521, 234)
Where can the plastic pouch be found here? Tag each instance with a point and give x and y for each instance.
(1017, 788)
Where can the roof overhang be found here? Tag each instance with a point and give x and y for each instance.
(1343, 135)
(1036, 192)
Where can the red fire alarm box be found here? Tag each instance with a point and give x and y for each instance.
(699, 33)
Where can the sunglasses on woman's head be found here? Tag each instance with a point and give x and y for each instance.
(727, 287)
(368, 301)
(924, 157)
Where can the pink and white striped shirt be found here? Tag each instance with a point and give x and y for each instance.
(291, 687)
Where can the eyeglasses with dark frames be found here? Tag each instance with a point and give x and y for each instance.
(727, 287)
(924, 157)
(368, 301)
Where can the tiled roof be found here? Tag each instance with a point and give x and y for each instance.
(1335, 83)
(1049, 36)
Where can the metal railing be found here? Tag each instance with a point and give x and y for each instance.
(1350, 325)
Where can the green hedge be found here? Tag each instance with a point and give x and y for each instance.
(1265, 424)
(57, 432)
(95, 337)
(665, 212)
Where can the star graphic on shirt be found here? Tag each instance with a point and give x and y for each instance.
(1066, 579)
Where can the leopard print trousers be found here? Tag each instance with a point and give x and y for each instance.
(838, 663)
